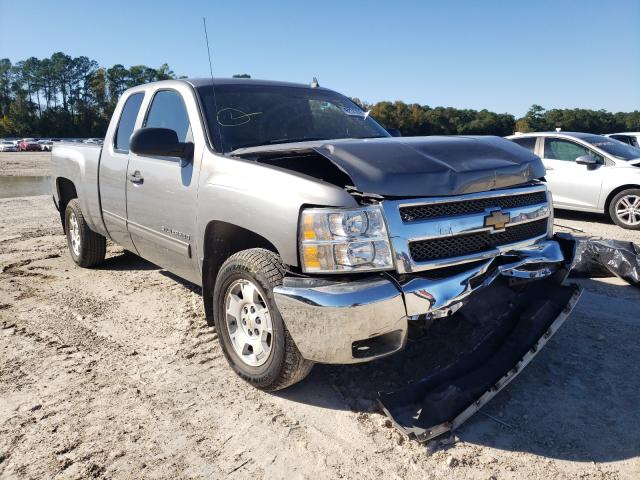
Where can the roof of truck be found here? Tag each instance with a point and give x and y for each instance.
(203, 82)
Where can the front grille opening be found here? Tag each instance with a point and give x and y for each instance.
(450, 209)
(473, 243)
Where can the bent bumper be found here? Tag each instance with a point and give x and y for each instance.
(360, 320)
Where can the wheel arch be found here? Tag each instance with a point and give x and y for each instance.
(66, 192)
(221, 240)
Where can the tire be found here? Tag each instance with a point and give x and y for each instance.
(624, 209)
(258, 270)
(87, 248)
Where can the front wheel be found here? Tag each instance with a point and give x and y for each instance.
(253, 336)
(624, 209)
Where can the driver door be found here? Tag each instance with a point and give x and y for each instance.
(572, 185)
(162, 193)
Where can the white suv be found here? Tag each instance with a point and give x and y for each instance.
(589, 173)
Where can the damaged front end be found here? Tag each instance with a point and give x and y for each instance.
(512, 304)
(484, 263)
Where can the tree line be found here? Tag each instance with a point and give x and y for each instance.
(414, 119)
(64, 96)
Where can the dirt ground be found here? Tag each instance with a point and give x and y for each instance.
(113, 373)
(31, 164)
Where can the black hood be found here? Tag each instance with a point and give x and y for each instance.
(421, 166)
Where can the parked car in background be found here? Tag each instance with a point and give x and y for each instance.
(93, 141)
(589, 173)
(630, 138)
(45, 145)
(29, 145)
(8, 146)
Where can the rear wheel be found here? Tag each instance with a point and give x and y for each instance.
(87, 248)
(624, 209)
(253, 336)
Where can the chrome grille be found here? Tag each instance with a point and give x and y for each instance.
(447, 247)
(431, 233)
(450, 209)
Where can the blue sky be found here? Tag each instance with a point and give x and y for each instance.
(498, 55)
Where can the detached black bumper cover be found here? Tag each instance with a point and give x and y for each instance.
(529, 315)
(603, 258)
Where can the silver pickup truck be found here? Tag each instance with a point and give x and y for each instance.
(316, 236)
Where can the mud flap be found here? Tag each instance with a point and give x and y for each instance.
(444, 399)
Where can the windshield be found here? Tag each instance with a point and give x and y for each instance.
(252, 115)
(613, 147)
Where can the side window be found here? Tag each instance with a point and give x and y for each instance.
(127, 121)
(168, 111)
(622, 138)
(558, 149)
(527, 142)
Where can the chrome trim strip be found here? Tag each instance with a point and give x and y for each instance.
(473, 223)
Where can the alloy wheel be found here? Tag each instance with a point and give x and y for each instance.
(628, 210)
(248, 323)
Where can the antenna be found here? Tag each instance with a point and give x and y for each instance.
(213, 89)
(206, 39)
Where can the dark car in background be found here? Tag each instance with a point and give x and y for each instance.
(29, 145)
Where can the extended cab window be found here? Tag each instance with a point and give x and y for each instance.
(527, 142)
(558, 149)
(168, 111)
(127, 121)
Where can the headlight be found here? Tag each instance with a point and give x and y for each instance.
(338, 240)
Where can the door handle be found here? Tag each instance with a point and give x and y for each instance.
(136, 178)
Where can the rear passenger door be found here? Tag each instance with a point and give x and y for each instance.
(572, 185)
(114, 161)
(162, 192)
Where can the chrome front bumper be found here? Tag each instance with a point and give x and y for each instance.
(358, 320)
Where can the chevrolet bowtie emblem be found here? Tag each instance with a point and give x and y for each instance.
(497, 221)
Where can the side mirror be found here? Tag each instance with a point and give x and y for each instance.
(162, 142)
(394, 132)
(587, 160)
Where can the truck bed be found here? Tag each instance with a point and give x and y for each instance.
(79, 162)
